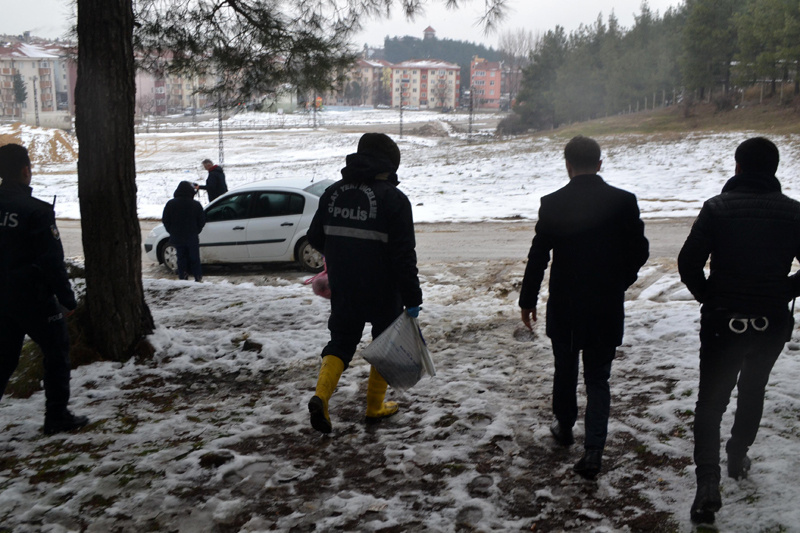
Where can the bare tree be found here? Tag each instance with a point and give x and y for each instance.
(516, 47)
(145, 106)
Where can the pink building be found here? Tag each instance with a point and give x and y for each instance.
(486, 79)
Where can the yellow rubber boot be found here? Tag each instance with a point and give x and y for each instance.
(377, 409)
(329, 374)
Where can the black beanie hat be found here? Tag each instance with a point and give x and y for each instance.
(379, 144)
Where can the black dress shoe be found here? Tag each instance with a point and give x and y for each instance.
(562, 435)
(707, 502)
(64, 421)
(589, 465)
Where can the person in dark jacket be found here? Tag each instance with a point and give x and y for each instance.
(215, 182)
(597, 240)
(184, 219)
(751, 231)
(34, 288)
(365, 230)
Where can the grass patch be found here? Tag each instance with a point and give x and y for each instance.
(769, 117)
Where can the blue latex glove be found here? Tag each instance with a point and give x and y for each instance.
(413, 312)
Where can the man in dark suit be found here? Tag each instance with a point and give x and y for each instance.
(598, 245)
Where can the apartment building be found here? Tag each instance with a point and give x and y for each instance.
(44, 74)
(486, 83)
(374, 79)
(425, 84)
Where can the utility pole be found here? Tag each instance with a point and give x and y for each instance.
(219, 121)
(471, 107)
(35, 100)
(401, 115)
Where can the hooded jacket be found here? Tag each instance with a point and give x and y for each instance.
(31, 256)
(183, 216)
(365, 229)
(751, 231)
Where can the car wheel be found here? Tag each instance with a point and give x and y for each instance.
(308, 257)
(168, 255)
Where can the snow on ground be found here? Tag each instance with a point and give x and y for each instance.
(448, 179)
(213, 434)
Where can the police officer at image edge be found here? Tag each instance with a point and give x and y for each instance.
(34, 288)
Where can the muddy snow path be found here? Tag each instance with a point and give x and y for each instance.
(213, 434)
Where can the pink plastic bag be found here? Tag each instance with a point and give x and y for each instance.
(319, 284)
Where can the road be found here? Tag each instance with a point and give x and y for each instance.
(458, 241)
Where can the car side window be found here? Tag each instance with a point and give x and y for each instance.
(277, 204)
(233, 207)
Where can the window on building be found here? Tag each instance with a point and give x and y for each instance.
(441, 72)
(491, 93)
(480, 73)
(413, 72)
(491, 82)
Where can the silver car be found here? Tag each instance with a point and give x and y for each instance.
(262, 222)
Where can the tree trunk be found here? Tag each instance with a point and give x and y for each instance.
(118, 317)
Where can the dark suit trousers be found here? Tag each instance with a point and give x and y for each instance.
(596, 372)
(728, 359)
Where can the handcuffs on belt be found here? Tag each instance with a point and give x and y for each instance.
(739, 325)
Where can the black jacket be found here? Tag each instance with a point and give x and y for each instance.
(31, 255)
(183, 216)
(752, 233)
(365, 230)
(598, 245)
(215, 183)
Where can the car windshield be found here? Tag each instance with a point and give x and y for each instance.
(319, 187)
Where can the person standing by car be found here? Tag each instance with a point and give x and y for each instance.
(597, 240)
(34, 288)
(184, 218)
(751, 231)
(365, 229)
(215, 182)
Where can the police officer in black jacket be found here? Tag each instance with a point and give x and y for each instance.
(365, 229)
(751, 231)
(34, 288)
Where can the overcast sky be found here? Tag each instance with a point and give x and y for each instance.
(50, 18)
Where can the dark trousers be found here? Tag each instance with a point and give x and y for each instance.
(596, 373)
(44, 323)
(726, 357)
(347, 326)
(189, 261)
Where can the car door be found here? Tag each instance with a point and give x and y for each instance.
(276, 217)
(224, 237)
